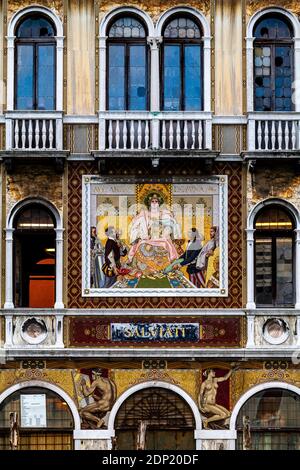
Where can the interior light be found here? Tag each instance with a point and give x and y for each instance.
(50, 250)
(29, 225)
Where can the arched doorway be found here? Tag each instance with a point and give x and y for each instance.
(34, 257)
(169, 420)
(44, 420)
(274, 415)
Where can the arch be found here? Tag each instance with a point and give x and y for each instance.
(273, 202)
(253, 391)
(16, 18)
(250, 255)
(33, 200)
(276, 10)
(154, 384)
(250, 50)
(49, 386)
(123, 11)
(9, 250)
(182, 10)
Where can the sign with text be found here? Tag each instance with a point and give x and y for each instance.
(180, 332)
(33, 411)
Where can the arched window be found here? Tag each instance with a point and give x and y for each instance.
(273, 64)
(34, 257)
(182, 65)
(35, 64)
(170, 420)
(274, 254)
(44, 420)
(127, 65)
(274, 416)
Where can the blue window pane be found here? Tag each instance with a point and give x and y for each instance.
(192, 78)
(137, 78)
(46, 77)
(116, 77)
(25, 92)
(172, 78)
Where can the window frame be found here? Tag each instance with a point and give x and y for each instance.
(274, 235)
(273, 43)
(181, 42)
(127, 42)
(35, 43)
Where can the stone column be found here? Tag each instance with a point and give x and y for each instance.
(297, 269)
(59, 269)
(155, 89)
(9, 295)
(250, 269)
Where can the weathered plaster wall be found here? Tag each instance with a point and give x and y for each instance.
(280, 181)
(81, 57)
(14, 5)
(33, 181)
(255, 5)
(228, 57)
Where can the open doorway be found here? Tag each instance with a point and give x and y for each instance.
(34, 257)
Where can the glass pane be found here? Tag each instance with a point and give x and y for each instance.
(273, 28)
(192, 78)
(183, 28)
(172, 78)
(263, 271)
(273, 218)
(262, 81)
(116, 77)
(46, 77)
(24, 92)
(137, 78)
(283, 71)
(284, 278)
(127, 27)
(35, 27)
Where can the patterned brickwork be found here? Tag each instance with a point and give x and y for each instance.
(75, 300)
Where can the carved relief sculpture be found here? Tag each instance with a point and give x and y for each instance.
(211, 411)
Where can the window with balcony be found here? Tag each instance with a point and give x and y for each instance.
(273, 64)
(274, 257)
(35, 64)
(127, 65)
(182, 75)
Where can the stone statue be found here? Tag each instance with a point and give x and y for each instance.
(207, 400)
(103, 392)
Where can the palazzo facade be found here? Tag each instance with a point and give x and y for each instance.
(150, 215)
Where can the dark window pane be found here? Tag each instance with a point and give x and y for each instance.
(137, 78)
(116, 77)
(192, 77)
(284, 279)
(273, 28)
(25, 79)
(172, 78)
(263, 247)
(35, 27)
(46, 77)
(283, 68)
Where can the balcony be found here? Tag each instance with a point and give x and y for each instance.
(273, 134)
(163, 131)
(34, 131)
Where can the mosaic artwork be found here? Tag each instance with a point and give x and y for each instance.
(156, 239)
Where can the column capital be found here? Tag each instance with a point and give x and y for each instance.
(154, 42)
(102, 42)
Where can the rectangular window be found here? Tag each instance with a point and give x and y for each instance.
(46, 77)
(284, 278)
(25, 74)
(116, 77)
(192, 78)
(172, 78)
(264, 294)
(137, 85)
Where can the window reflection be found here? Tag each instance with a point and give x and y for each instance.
(182, 66)
(127, 65)
(35, 64)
